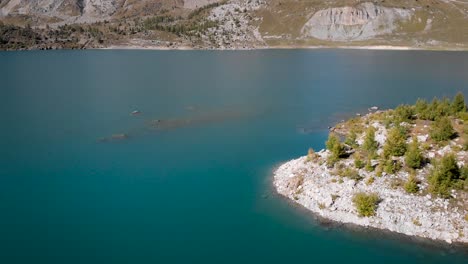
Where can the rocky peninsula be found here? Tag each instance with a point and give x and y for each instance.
(403, 170)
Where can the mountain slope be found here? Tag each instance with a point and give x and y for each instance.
(363, 21)
(71, 10)
(224, 24)
(422, 23)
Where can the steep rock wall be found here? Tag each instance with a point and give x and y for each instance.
(61, 8)
(361, 22)
(86, 8)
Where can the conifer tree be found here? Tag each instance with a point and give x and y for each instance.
(413, 156)
(396, 143)
(351, 139)
(421, 108)
(458, 104)
(370, 145)
(336, 148)
(444, 175)
(442, 129)
(411, 185)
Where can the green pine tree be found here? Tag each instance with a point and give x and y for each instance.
(370, 145)
(396, 142)
(442, 129)
(421, 109)
(444, 176)
(413, 156)
(411, 185)
(351, 139)
(369, 166)
(336, 148)
(458, 104)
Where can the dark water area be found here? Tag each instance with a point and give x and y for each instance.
(188, 179)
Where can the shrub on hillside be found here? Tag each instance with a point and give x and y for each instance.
(411, 185)
(464, 174)
(445, 175)
(358, 162)
(442, 129)
(420, 108)
(396, 142)
(404, 113)
(379, 170)
(350, 173)
(369, 167)
(463, 116)
(391, 166)
(351, 139)
(366, 204)
(436, 109)
(311, 155)
(431, 111)
(370, 181)
(370, 145)
(458, 104)
(413, 156)
(444, 108)
(336, 148)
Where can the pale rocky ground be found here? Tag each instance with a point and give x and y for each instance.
(235, 30)
(361, 22)
(70, 10)
(193, 4)
(313, 185)
(84, 11)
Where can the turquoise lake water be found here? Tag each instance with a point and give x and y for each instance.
(194, 187)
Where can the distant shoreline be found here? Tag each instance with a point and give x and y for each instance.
(376, 47)
(188, 48)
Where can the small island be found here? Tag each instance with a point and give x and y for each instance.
(403, 170)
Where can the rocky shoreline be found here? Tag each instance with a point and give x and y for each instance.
(398, 212)
(316, 185)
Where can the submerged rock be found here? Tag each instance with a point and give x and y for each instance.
(114, 137)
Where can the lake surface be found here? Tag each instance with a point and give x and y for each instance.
(194, 186)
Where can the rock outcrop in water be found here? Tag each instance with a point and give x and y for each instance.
(415, 200)
(361, 22)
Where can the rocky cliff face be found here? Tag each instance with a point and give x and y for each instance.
(198, 3)
(61, 8)
(86, 10)
(361, 22)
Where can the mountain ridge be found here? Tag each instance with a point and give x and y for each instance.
(233, 24)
